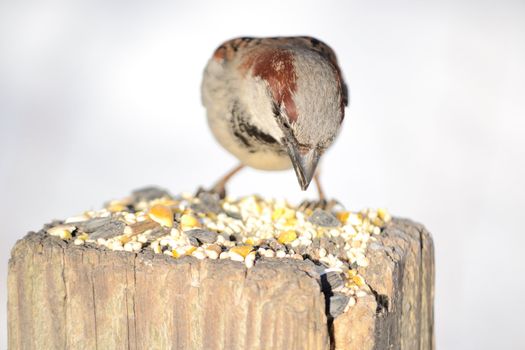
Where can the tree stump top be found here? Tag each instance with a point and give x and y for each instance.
(157, 271)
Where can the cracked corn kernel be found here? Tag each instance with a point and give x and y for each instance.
(236, 257)
(355, 219)
(283, 212)
(280, 253)
(190, 250)
(384, 215)
(358, 280)
(156, 247)
(75, 219)
(132, 246)
(343, 216)
(277, 214)
(124, 239)
(83, 236)
(188, 221)
(249, 260)
(116, 206)
(165, 201)
(213, 251)
(351, 302)
(252, 241)
(286, 237)
(291, 222)
(351, 273)
(62, 231)
(211, 216)
(251, 204)
(161, 214)
(242, 250)
(269, 253)
(199, 254)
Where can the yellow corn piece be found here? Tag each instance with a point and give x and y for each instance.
(355, 219)
(343, 216)
(116, 206)
(242, 250)
(277, 214)
(360, 281)
(165, 201)
(384, 214)
(188, 221)
(62, 231)
(83, 236)
(124, 239)
(287, 237)
(161, 214)
(289, 214)
(252, 241)
(291, 222)
(190, 250)
(283, 212)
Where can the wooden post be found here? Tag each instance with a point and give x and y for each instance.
(63, 296)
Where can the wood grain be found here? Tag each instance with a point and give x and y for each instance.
(62, 296)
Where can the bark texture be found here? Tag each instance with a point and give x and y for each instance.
(62, 296)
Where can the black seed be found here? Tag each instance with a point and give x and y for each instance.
(203, 236)
(337, 305)
(92, 225)
(109, 230)
(207, 203)
(147, 194)
(334, 279)
(323, 218)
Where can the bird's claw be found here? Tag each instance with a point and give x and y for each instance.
(324, 204)
(216, 190)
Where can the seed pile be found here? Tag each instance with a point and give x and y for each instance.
(243, 230)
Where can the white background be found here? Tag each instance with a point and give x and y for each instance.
(100, 97)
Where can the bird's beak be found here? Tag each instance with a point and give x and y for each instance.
(304, 163)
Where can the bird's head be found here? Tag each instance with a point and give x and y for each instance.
(307, 95)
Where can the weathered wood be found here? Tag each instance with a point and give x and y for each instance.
(401, 276)
(62, 296)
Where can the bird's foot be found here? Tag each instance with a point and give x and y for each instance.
(216, 190)
(323, 204)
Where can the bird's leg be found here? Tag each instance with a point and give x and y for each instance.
(220, 186)
(319, 187)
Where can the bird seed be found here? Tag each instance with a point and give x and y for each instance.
(244, 230)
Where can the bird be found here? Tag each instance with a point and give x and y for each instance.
(275, 103)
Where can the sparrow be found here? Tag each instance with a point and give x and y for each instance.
(275, 103)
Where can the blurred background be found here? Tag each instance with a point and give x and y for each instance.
(98, 98)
